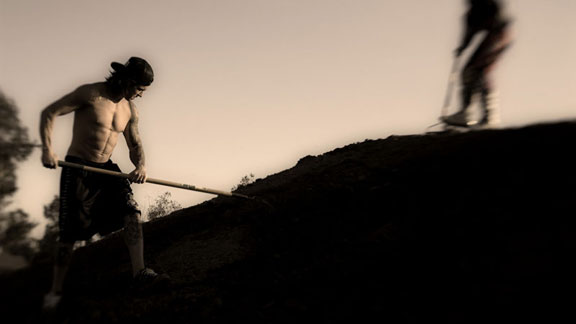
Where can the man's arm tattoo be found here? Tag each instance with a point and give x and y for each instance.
(133, 140)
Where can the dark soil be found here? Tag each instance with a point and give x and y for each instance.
(475, 227)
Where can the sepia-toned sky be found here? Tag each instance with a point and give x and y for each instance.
(251, 86)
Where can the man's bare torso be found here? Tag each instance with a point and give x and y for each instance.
(98, 123)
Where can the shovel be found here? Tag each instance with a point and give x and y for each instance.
(452, 78)
(155, 181)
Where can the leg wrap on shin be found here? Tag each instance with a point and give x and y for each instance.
(132, 229)
(64, 253)
(490, 106)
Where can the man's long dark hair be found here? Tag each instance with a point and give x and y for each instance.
(135, 72)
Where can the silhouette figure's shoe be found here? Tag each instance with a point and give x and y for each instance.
(489, 121)
(458, 119)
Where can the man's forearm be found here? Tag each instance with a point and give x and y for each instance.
(137, 156)
(46, 125)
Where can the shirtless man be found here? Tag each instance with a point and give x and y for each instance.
(92, 203)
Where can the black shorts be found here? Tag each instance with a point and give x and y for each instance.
(92, 203)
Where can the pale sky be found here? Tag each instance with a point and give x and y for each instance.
(251, 86)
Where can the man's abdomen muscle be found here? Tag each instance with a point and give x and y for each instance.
(97, 127)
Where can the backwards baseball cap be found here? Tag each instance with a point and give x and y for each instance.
(136, 69)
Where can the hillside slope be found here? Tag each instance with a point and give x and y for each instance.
(467, 227)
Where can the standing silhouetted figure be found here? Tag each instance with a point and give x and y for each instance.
(487, 16)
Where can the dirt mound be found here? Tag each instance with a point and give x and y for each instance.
(457, 227)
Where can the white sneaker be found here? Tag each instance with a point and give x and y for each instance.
(51, 301)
